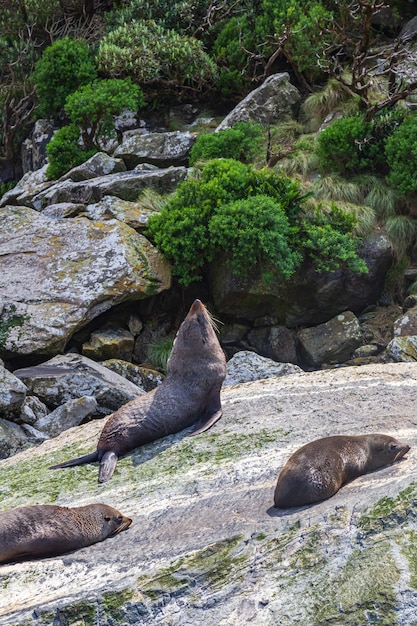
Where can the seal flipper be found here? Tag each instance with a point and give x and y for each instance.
(107, 465)
(88, 458)
(212, 414)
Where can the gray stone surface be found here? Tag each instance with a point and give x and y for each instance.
(161, 149)
(206, 546)
(246, 366)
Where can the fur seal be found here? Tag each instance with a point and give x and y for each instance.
(317, 470)
(42, 530)
(190, 394)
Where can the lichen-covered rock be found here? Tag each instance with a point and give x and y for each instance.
(205, 545)
(100, 164)
(160, 149)
(402, 349)
(332, 342)
(144, 377)
(276, 100)
(110, 343)
(57, 275)
(13, 439)
(69, 414)
(28, 186)
(246, 366)
(275, 342)
(71, 376)
(12, 395)
(131, 213)
(406, 324)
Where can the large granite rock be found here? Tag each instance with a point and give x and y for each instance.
(160, 149)
(56, 275)
(276, 100)
(206, 546)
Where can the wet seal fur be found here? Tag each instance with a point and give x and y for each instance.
(316, 471)
(43, 530)
(190, 394)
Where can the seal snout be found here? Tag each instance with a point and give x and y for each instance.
(400, 450)
(196, 306)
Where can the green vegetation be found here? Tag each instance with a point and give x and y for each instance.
(65, 152)
(242, 142)
(258, 216)
(401, 154)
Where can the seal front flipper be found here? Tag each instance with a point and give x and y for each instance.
(107, 466)
(206, 423)
(88, 458)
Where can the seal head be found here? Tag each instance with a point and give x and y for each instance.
(37, 531)
(316, 471)
(189, 395)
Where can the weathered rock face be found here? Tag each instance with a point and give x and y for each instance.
(160, 149)
(205, 545)
(56, 275)
(309, 297)
(274, 101)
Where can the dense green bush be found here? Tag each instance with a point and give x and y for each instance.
(401, 154)
(62, 68)
(241, 142)
(64, 151)
(256, 216)
(352, 145)
(93, 107)
(150, 53)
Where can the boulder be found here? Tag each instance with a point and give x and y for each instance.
(100, 164)
(160, 149)
(276, 100)
(309, 297)
(72, 376)
(109, 343)
(206, 545)
(57, 275)
(69, 414)
(110, 207)
(12, 395)
(275, 342)
(34, 148)
(332, 342)
(28, 186)
(403, 348)
(406, 324)
(246, 366)
(144, 377)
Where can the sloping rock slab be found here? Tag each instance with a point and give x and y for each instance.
(56, 275)
(205, 546)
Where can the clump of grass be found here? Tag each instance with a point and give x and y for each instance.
(401, 231)
(152, 200)
(159, 353)
(332, 98)
(337, 188)
(364, 215)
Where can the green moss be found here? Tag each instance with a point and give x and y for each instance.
(389, 512)
(408, 543)
(9, 320)
(113, 604)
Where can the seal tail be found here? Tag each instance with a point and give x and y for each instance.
(82, 460)
(107, 466)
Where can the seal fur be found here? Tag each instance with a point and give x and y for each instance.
(190, 394)
(316, 471)
(47, 530)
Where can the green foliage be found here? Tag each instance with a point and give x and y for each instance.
(159, 352)
(240, 142)
(93, 106)
(148, 53)
(401, 231)
(352, 145)
(256, 216)
(401, 154)
(62, 68)
(64, 151)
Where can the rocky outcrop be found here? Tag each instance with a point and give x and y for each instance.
(160, 149)
(59, 274)
(205, 545)
(276, 100)
(332, 342)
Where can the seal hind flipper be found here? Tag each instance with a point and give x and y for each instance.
(82, 460)
(206, 423)
(107, 466)
(212, 414)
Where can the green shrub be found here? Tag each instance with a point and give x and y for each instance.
(93, 106)
(401, 154)
(62, 68)
(149, 53)
(240, 142)
(64, 151)
(255, 216)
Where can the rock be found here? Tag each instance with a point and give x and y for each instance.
(27, 187)
(57, 275)
(131, 213)
(205, 545)
(71, 413)
(246, 366)
(32, 410)
(13, 439)
(160, 149)
(402, 349)
(309, 297)
(109, 344)
(332, 342)
(100, 164)
(124, 185)
(275, 342)
(72, 376)
(363, 352)
(12, 395)
(63, 209)
(144, 377)
(406, 324)
(34, 148)
(274, 101)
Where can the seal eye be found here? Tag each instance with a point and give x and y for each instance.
(107, 518)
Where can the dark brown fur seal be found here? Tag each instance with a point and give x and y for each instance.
(42, 530)
(317, 470)
(190, 394)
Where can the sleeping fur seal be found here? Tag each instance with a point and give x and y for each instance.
(317, 470)
(190, 394)
(46, 530)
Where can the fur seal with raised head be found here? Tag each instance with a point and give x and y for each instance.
(41, 530)
(190, 394)
(316, 471)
